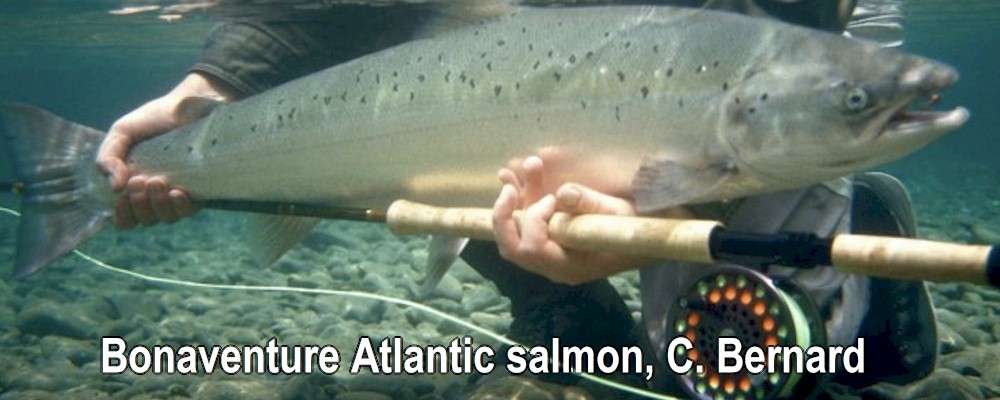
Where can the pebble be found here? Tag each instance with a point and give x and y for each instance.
(47, 318)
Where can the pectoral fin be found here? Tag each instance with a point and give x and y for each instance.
(270, 236)
(664, 181)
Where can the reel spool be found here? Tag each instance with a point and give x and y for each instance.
(730, 301)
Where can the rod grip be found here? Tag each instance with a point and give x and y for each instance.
(914, 259)
(681, 240)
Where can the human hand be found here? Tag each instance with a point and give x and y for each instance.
(149, 200)
(528, 244)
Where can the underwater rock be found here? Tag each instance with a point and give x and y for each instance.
(949, 341)
(365, 312)
(517, 388)
(362, 396)
(47, 318)
(492, 322)
(480, 298)
(77, 352)
(449, 288)
(234, 390)
(391, 385)
(942, 384)
(983, 362)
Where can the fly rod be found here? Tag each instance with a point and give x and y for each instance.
(702, 241)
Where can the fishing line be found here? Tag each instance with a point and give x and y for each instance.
(345, 293)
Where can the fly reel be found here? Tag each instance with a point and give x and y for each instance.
(740, 303)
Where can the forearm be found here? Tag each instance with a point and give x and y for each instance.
(250, 55)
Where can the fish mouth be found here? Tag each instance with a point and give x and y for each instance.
(913, 117)
(926, 123)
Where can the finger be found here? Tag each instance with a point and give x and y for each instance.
(182, 203)
(123, 218)
(534, 185)
(110, 157)
(160, 202)
(579, 199)
(505, 230)
(536, 245)
(509, 177)
(138, 196)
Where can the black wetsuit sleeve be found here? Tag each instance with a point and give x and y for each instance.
(251, 55)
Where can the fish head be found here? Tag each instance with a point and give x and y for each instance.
(835, 107)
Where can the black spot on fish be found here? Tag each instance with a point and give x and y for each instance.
(440, 57)
(680, 103)
(166, 147)
(537, 63)
(501, 42)
(607, 34)
(253, 128)
(621, 76)
(557, 75)
(378, 79)
(618, 113)
(395, 74)
(326, 99)
(411, 96)
(421, 78)
(531, 47)
(215, 141)
(476, 33)
(281, 120)
(700, 69)
(752, 110)
(725, 86)
(420, 58)
(656, 49)
(670, 72)
(489, 66)
(482, 55)
(583, 104)
(364, 99)
(560, 23)
(231, 117)
(628, 44)
(763, 97)
(472, 83)
(282, 100)
(737, 99)
(190, 149)
(315, 97)
(572, 58)
(447, 76)
(715, 64)
(497, 89)
(645, 91)
(524, 30)
(462, 77)
(550, 53)
(395, 87)
(590, 54)
(517, 85)
(357, 79)
(291, 113)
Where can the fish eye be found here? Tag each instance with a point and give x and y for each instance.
(856, 99)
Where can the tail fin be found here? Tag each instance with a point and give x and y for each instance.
(63, 187)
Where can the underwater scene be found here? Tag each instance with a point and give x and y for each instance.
(354, 293)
